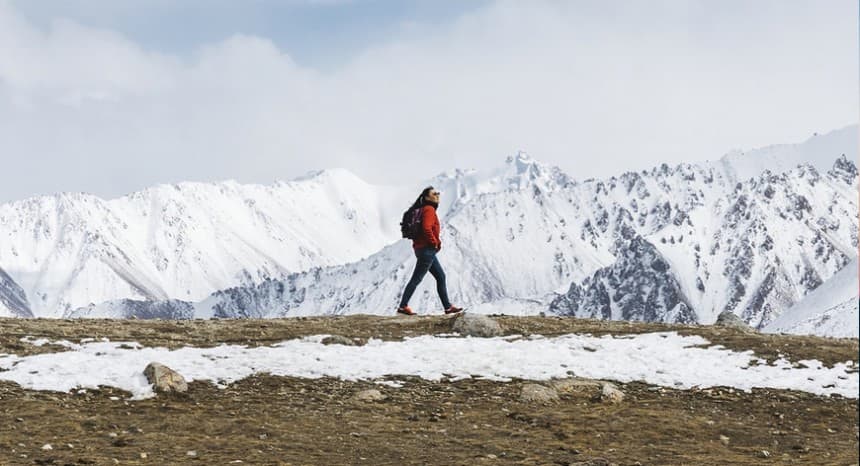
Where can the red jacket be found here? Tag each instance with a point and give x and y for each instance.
(429, 234)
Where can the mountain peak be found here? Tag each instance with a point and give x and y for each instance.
(844, 168)
(327, 173)
(523, 163)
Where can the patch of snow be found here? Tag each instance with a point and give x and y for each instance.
(664, 358)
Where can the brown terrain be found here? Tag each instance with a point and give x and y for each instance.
(283, 420)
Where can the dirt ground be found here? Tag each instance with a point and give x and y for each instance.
(283, 420)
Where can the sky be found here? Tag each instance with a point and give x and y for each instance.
(113, 97)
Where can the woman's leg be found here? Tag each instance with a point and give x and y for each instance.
(441, 287)
(425, 260)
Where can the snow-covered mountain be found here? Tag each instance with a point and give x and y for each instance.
(185, 241)
(753, 248)
(831, 309)
(673, 244)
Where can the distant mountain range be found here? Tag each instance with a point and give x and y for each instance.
(752, 233)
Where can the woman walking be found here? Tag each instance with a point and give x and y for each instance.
(426, 243)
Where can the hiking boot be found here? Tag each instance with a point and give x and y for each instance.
(453, 310)
(405, 310)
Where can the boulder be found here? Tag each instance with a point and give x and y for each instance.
(164, 378)
(475, 325)
(609, 393)
(595, 390)
(729, 319)
(369, 395)
(535, 393)
(337, 340)
(578, 386)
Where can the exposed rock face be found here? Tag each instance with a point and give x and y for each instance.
(164, 378)
(844, 170)
(135, 309)
(640, 286)
(13, 300)
(475, 325)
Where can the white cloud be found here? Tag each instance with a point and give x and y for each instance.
(595, 87)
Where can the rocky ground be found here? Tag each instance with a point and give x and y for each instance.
(282, 420)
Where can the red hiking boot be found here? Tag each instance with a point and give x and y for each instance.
(405, 310)
(453, 310)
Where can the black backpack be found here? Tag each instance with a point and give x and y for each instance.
(410, 225)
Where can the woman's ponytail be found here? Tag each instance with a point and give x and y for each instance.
(421, 199)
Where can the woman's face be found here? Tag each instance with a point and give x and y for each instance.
(433, 196)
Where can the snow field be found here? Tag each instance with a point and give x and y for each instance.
(665, 359)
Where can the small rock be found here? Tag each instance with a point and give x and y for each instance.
(724, 440)
(370, 395)
(191, 453)
(164, 378)
(121, 442)
(609, 393)
(47, 447)
(764, 454)
(337, 340)
(475, 325)
(534, 393)
(143, 456)
(576, 385)
(729, 319)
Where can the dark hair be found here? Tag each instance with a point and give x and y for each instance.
(420, 201)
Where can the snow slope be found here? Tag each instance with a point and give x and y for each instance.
(829, 310)
(819, 151)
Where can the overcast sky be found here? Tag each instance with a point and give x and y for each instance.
(110, 97)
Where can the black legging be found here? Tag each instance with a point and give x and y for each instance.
(427, 261)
